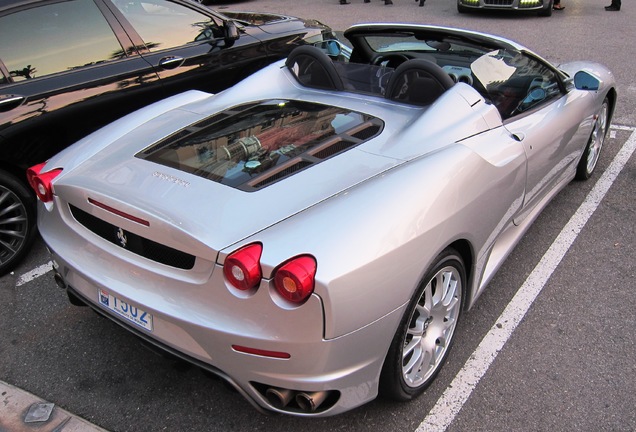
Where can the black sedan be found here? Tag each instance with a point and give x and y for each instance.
(70, 67)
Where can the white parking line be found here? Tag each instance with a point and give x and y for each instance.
(35, 273)
(458, 392)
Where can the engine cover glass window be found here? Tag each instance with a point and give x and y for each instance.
(252, 146)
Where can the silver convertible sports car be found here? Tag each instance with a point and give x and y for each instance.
(314, 233)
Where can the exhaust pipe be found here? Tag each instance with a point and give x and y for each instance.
(279, 397)
(59, 280)
(310, 402)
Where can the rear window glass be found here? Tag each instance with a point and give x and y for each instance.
(252, 146)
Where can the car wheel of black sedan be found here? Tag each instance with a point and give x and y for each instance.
(425, 336)
(17, 221)
(593, 149)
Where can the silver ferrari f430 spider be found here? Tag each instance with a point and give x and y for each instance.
(314, 233)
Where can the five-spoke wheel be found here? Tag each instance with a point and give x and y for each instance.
(425, 335)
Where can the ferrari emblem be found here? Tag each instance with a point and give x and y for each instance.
(121, 237)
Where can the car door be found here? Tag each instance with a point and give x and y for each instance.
(532, 101)
(188, 44)
(69, 70)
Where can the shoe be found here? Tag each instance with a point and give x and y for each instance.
(344, 2)
(367, 1)
(422, 2)
(388, 2)
(612, 8)
(558, 7)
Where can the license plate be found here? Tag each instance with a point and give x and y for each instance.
(123, 309)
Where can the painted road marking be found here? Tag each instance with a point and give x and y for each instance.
(35, 273)
(455, 396)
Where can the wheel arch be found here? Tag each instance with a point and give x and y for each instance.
(465, 250)
(14, 171)
(612, 96)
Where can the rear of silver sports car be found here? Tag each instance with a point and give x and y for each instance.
(190, 264)
(274, 353)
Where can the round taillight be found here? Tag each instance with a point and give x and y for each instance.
(41, 182)
(242, 268)
(295, 279)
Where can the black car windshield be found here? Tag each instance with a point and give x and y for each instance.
(251, 146)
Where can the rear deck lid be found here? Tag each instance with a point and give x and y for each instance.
(228, 176)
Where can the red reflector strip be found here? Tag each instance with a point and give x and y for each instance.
(260, 352)
(119, 212)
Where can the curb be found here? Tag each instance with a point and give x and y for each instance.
(22, 411)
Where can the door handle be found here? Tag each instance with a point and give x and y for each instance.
(8, 102)
(171, 62)
(518, 136)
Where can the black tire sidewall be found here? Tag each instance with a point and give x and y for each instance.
(21, 191)
(392, 383)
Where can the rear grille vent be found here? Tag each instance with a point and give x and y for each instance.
(132, 242)
(368, 132)
(333, 149)
(282, 173)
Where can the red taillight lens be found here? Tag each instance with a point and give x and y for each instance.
(41, 182)
(295, 279)
(242, 268)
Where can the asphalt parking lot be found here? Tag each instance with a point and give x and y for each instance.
(549, 346)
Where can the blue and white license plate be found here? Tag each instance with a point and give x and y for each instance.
(123, 309)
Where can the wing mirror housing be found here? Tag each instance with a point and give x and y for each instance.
(584, 80)
(232, 33)
(334, 49)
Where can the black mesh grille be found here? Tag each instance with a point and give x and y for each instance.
(367, 133)
(283, 173)
(498, 2)
(333, 149)
(132, 242)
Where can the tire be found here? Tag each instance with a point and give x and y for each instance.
(425, 336)
(592, 152)
(462, 9)
(17, 221)
(547, 12)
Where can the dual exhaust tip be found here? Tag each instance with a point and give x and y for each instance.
(307, 402)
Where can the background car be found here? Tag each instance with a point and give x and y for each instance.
(541, 7)
(315, 241)
(68, 68)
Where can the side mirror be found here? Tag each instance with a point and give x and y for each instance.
(586, 81)
(231, 32)
(334, 49)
